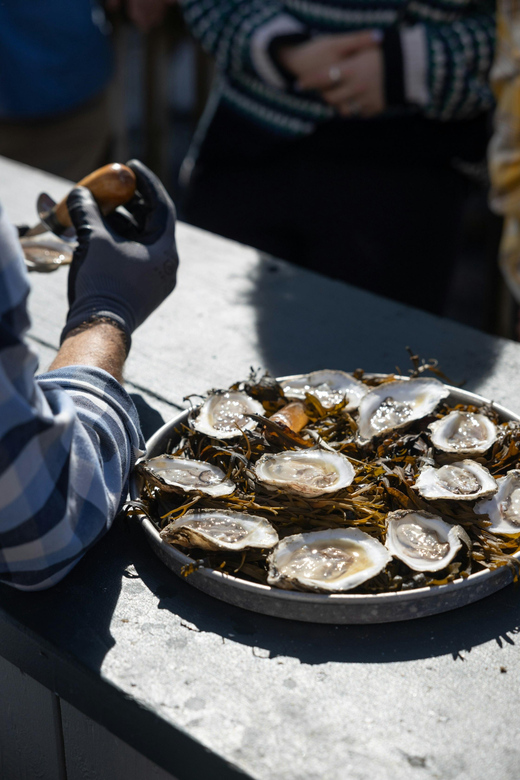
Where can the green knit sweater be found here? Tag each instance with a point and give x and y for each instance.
(443, 54)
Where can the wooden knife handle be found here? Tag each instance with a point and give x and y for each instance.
(112, 185)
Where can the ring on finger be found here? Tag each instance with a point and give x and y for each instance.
(334, 73)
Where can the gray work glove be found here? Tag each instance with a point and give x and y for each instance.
(125, 264)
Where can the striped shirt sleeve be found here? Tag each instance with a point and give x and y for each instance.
(68, 440)
(238, 33)
(459, 55)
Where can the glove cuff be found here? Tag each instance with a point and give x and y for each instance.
(81, 321)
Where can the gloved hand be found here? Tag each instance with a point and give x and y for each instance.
(125, 265)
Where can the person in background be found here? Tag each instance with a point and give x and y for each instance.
(504, 148)
(341, 136)
(69, 437)
(55, 70)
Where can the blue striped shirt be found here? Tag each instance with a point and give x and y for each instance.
(68, 440)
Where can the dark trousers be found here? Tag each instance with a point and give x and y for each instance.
(391, 228)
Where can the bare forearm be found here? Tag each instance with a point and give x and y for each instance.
(97, 344)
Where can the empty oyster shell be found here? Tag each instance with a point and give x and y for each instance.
(464, 480)
(503, 509)
(174, 475)
(329, 387)
(220, 529)
(423, 541)
(312, 472)
(395, 404)
(333, 560)
(466, 433)
(225, 415)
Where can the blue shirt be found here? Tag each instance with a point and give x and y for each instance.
(68, 440)
(55, 55)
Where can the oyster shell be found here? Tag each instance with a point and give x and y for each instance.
(225, 415)
(423, 541)
(309, 473)
(329, 387)
(333, 560)
(464, 480)
(220, 529)
(503, 509)
(174, 475)
(395, 404)
(465, 433)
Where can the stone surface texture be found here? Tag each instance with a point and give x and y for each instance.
(430, 698)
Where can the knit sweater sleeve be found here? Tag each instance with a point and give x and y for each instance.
(238, 34)
(446, 64)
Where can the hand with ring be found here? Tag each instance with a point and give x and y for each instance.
(354, 83)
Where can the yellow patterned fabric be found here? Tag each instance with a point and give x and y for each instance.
(504, 149)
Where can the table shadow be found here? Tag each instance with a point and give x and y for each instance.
(455, 633)
(306, 321)
(74, 616)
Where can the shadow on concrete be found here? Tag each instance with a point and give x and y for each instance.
(307, 322)
(452, 633)
(150, 419)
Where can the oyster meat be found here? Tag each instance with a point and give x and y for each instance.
(503, 509)
(333, 560)
(220, 529)
(423, 541)
(226, 415)
(176, 475)
(395, 404)
(329, 387)
(464, 480)
(464, 433)
(309, 473)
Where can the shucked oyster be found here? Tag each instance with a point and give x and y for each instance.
(175, 475)
(226, 415)
(334, 560)
(503, 509)
(308, 473)
(220, 529)
(395, 404)
(423, 541)
(329, 387)
(464, 480)
(464, 433)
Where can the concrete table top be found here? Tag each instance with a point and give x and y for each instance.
(205, 689)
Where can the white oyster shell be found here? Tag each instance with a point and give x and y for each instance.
(221, 529)
(329, 387)
(333, 560)
(225, 415)
(309, 473)
(395, 404)
(464, 480)
(423, 541)
(503, 509)
(464, 433)
(173, 474)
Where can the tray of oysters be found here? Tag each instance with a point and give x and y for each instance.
(336, 498)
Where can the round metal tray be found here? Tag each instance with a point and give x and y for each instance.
(322, 608)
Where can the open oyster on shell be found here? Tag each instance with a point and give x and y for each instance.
(423, 541)
(503, 509)
(463, 433)
(333, 560)
(309, 473)
(178, 475)
(464, 480)
(220, 529)
(329, 387)
(226, 415)
(395, 404)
